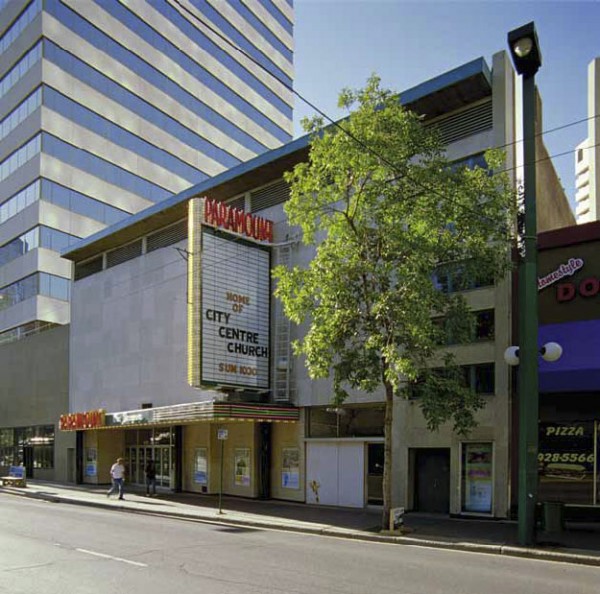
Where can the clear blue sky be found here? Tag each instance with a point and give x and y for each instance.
(340, 43)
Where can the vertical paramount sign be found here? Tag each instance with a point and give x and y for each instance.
(228, 297)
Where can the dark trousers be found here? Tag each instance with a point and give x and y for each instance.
(150, 482)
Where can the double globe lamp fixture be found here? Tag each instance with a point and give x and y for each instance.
(550, 352)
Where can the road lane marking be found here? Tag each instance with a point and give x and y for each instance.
(105, 556)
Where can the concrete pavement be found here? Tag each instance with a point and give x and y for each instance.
(579, 543)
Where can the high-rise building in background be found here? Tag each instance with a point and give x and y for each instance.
(587, 155)
(109, 106)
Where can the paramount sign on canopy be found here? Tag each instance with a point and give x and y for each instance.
(218, 214)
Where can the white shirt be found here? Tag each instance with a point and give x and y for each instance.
(117, 470)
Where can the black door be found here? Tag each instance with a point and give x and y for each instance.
(28, 461)
(432, 480)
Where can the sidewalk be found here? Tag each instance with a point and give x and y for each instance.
(579, 543)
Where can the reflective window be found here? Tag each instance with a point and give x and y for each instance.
(98, 167)
(156, 78)
(19, 25)
(25, 330)
(83, 116)
(80, 204)
(226, 28)
(137, 105)
(20, 69)
(279, 16)
(40, 283)
(198, 38)
(19, 246)
(24, 109)
(35, 445)
(20, 157)
(20, 201)
(264, 31)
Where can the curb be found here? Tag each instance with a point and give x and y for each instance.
(469, 547)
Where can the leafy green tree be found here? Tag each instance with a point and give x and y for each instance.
(391, 218)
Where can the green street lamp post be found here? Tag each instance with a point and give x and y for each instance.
(526, 56)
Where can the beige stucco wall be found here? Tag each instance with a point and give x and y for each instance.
(287, 435)
(240, 435)
(198, 436)
(109, 445)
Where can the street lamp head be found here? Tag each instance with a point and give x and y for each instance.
(525, 49)
(551, 351)
(511, 356)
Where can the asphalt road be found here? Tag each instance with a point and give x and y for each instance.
(67, 549)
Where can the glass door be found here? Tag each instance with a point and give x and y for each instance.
(158, 447)
(162, 457)
(375, 456)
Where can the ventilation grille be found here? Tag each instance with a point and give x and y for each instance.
(122, 254)
(167, 236)
(284, 386)
(239, 203)
(466, 123)
(88, 268)
(270, 196)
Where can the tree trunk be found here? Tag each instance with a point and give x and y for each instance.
(387, 451)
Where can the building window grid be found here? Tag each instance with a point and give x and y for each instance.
(20, 113)
(39, 283)
(19, 25)
(20, 201)
(14, 440)
(63, 197)
(20, 69)
(25, 330)
(41, 236)
(479, 377)
(20, 157)
(483, 328)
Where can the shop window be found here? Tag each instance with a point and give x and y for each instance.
(345, 421)
(566, 462)
(477, 477)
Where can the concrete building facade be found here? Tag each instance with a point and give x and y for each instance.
(587, 154)
(129, 354)
(106, 108)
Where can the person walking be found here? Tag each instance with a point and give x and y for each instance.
(150, 477)
(117, 474)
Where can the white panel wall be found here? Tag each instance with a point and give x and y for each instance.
(129, 335)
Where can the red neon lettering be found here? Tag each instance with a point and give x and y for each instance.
(269, 231)
(208, 211)
(589, 287)
(565, 292)
(239, 221)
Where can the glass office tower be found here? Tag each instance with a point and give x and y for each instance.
(109, 106)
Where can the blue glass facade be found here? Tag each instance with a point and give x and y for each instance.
(44, 237)
(134, 103)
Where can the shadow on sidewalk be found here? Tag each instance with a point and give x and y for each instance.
(421, 526)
